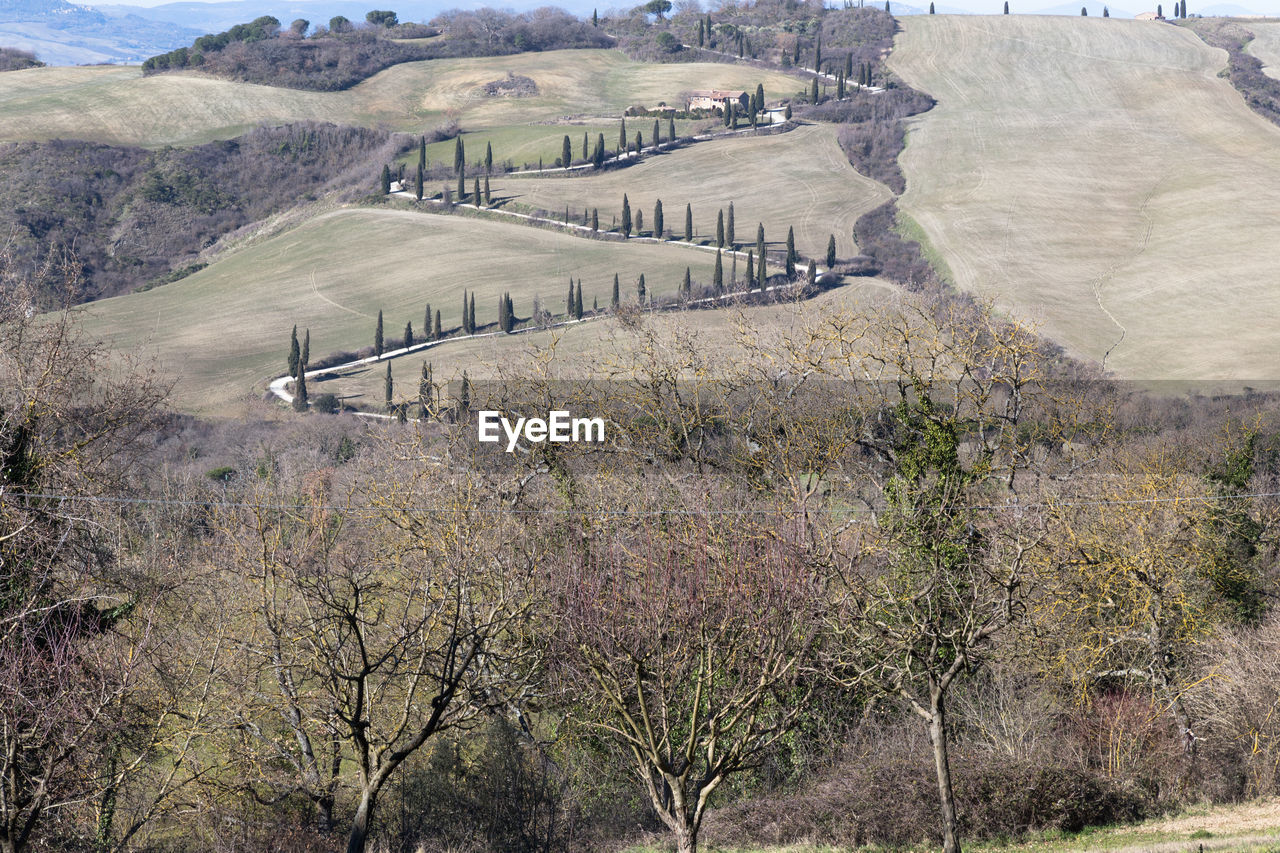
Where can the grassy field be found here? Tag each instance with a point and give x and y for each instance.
(1098, 175)
(1265, 45)
(118, 105)
(225, 330)
(601, 348)
(799, 179)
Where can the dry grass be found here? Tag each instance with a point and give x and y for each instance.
(1265, 45)
(225, 330)
(799, 179)
(1099, 175)
(118, 105)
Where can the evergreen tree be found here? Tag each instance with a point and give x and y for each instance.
(613, 302)
(466, 323)
(728, 228)
(626, 216)
(787, 112)
(886, 5)
(488, 197)
(424, 391)
(294, 352)
(408, 334)
(569, 302)
(488, 158)
(657, 135)
(1084, 13)
(751, 268)
(760, 96)
(813, 91)
(812, 272)
(475, 192)
(426, 323)
(686, 286)
(792, 257)
(472, 313)
(1159, 10)
(671, 129)
(418, 183)
(639, 222)
(502, 314)
(761, 276)
(717, 275)
(639, 143)
(640, 292)
(848, 65)
(577, 302)
(930, 8)
(688, 222)
(595, 20)
(1006, 7)
(595, 219)
(658, 228)
(386, 180)
(817, 51)
(831, 251)
(795, 55)
(305, 356)
(300, 390)
(840, 87)
(702, 33)
(462, 188)
(597, 159)
(719, 229)
(566, 152)
(459, 155)
(436, 332)
(1106, 13)
(377, 337)
(422, 152)
(387, 387)
(622, 137)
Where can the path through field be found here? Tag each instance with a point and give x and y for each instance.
(1097, 175)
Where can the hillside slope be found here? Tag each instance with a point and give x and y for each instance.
(119, 106)
(1098, 175)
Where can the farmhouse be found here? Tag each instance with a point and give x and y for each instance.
(709, 99)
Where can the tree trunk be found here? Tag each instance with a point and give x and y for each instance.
(686, 840)
(938, 737)
(360, 823)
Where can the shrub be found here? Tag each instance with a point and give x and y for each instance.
(326, 404)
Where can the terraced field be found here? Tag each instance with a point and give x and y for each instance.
(799, 179)
(225, 330)
(1098, 175)
(118, 105)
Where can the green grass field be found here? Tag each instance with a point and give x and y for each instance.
(1098, 175)
(118, 105)
(224, 331)
(799, 179)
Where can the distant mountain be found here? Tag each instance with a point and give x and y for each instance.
(1226, 10)
(63, 33)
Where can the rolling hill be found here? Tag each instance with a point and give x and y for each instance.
(1100, 176)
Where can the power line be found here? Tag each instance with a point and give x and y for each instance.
(580, 511)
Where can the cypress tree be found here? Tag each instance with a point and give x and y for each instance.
(305, 356)
(377, 337)
(817, 51)
(598, 157)
(613, 302)
(386, 180)
(813, 91)
(719, 229)
(702, 33)
(688, 222)
(488, 158)
(639, 143)
(1084, 12)
(387, 387)
(795, 55)
(639, 222)
(657, 135)
(831, 251)
(728, 227)
(294, 352)
(1106, 13)
(424, 391)
(787, 113)
(717, 276)
(760, 96)
(473, 313)
(426, 323)
(595, 20)
(840, 87)
(658, 228)
(595, 219)
(813, 271)
(671, 129)
(886, 5)
(436, 332)
(1159, 10)
(626, 216)
(930, 8)
(622, 137)
(751, 268)
(726, 111)
(760, 256)
(569, 302)
(418, 184)
(848, 65)
(300, 390)
(577, 302)
(462, 188)
(408, 334)
(1006, 7)
(502, 313)
(459, 155)
(466, 323)
(640, 292)
(566, 152)
(792, 257)
(422, 152)
(687, 284)
(475, 192)
(488, 198)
